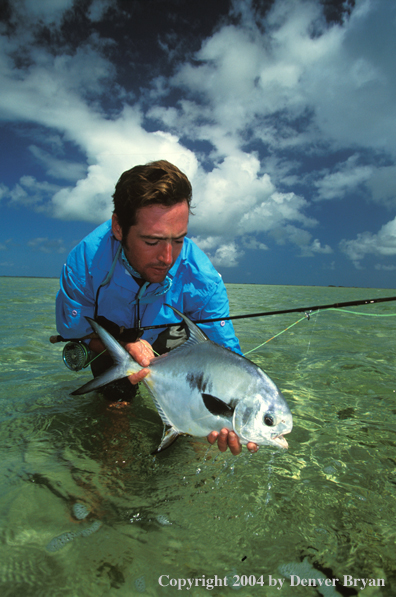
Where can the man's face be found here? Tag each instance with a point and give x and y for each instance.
(154, 243)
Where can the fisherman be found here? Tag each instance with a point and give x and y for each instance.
(128, 269)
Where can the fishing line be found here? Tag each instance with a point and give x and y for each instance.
(364, 314)
(308, 315)
(276, 335)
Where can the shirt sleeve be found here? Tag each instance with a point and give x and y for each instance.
(221, 332)
(74, 302)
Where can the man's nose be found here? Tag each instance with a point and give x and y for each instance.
(166, 254)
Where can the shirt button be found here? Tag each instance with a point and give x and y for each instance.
(222, 323)
(74, 312)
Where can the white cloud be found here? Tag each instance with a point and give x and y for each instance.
(98, 9)
(221, 254)
(4, 191)
(249, 242)
(383, 243)
(235, 199)
(207, 243)
(301, 238)
(386, 268)
(46, 245)
(316, 247)
(383, 185)
(346, 178)
(288, 83)
(6, 245)
(58, 168)
(32, 193)
(290, 88)
(49, 12)
(226, 255)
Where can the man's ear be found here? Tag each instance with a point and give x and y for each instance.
(116, 228)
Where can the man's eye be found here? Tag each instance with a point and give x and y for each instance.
(151, 244)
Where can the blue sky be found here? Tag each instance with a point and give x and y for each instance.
(281, 112)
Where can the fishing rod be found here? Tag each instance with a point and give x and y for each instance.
(77, 356)
(282, 312)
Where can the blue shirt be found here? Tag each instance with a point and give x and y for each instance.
(197, 290)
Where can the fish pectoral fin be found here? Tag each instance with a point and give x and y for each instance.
(217, 407)
(169, 437)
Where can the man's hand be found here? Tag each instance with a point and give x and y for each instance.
(229, 439)
(142, 352)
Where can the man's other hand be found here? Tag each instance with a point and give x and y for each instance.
(142, 352)
(229, 439)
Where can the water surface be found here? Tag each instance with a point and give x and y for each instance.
(192, 512)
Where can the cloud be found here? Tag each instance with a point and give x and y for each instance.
(301, 238)
(302, 85)
(347, 178)
(5, 245)
(58, 168)
(221, 254)
(316, 247)
(46, 12)
(382, 185)
(383, 243)
(98, 9)
(249, 242)
(4, 191)
(386, 268)
(226, 255)
(31, 193)
(250, 117)
(46, 245)
(235, 199)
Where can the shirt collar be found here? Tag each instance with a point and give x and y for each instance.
(162, 288)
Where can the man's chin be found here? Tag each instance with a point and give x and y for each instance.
(156, 276)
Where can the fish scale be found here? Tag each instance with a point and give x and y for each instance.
(201, 387)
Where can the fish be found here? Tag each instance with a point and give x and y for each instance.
(200, 387)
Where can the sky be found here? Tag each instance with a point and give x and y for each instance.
(281, 112)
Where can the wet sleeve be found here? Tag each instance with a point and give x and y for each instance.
(221, 332)
(74, 302)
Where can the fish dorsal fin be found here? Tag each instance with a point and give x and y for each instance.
(217, 407)
(195, 335)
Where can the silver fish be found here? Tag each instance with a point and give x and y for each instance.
(201, 387)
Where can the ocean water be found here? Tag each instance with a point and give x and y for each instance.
(85, 510)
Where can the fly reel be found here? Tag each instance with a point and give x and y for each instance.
(76, 356)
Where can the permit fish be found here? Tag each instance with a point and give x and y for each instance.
(201, 386)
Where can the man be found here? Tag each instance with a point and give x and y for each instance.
(125, 272)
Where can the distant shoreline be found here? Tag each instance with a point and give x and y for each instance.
(235, 283)
(38, 277)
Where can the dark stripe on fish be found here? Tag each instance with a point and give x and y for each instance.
(197, 381)
(217, 407)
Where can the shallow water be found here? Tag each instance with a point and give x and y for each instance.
(191, 512)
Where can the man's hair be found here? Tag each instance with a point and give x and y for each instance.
(154, 183)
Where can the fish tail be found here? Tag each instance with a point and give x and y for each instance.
(124, 363)
(108, 376)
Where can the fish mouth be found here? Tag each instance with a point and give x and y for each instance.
(279, 440)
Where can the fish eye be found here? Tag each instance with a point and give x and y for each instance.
(269, 420)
